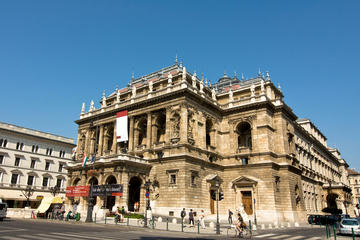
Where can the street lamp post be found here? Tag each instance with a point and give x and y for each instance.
(27, 193)
(54, 190)
(147, 189)
(217, 208)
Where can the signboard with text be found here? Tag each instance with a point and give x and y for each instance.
(107, 190)
(77, 191)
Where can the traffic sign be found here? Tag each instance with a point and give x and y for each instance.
(147, 194)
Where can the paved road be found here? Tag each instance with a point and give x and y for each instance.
(16, 229)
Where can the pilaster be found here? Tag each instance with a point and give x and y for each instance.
(100, 151)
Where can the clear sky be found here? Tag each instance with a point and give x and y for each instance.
(54, 55)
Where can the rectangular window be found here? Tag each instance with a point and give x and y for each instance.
(32, 164)
(194, 176)
(61, 167)
(47, 166)
(1, 159)
(30, 181)
(14, 178)
(173, 178)
(17, 162)
(58, 182)
(45, 181)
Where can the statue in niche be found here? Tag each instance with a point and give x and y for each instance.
(190, 126)
(175, 125)
(252, 90)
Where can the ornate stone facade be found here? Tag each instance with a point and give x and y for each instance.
(186, 135)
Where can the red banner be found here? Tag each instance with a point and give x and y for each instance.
(77, 191)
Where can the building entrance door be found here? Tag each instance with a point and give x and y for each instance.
(134, 192)
(212, 205)
(247, 202)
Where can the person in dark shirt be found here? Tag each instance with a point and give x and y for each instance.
(191, 218)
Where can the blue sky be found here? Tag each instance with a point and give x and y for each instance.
(54, 55)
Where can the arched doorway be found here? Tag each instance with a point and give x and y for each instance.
(93, 181)
(110, 200)
(134, 192)
(331, 200)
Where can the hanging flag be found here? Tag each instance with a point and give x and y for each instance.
(122, 126)
(85, 158)
(92, 159)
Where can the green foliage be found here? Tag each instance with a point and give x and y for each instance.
(134, 215)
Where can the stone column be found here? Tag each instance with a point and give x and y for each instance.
(131, 134)
(184, 124)
(148, 131)
(100, 150)
(113, 147)
(167, 127)
(125, 181)
(87, 142)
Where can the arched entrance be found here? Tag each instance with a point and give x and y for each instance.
(134, 192)
(331, 200)
(110, 200)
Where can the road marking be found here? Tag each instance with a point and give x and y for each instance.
(281, 236)
(264, 235)
(296, 237)
(13, 230)
(79, 235)
(11, 238)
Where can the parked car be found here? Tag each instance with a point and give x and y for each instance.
(314, 219)
(347, 225)
(3, 210)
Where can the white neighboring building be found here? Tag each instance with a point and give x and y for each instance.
(31, 158)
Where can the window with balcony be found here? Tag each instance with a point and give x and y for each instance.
(58, 182)
(45, 181)
(17, 162)
(30, 180)
(14, 178)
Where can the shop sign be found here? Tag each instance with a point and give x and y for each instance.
(77, 191)
(107, 190)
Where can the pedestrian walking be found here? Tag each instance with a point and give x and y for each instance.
(191, 218)
(356, 210)
(183, 215)
(202, 219)
(230, 217)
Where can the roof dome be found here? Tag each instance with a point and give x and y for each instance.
(224, 78)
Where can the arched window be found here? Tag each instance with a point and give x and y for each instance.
(160, 128)
(244, 135)
(208, 129)
(142, 132)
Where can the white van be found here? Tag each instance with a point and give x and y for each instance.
(3, 210)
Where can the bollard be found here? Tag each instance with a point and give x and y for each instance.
(127, 221)
(198, 226)
(182, 224)
(105, 219)
(327, 231)
(167, 224)
(334, 232)
(95, 219)
(353, 234)
(250, 226)
(153, 223)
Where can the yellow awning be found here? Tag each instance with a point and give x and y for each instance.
(46, 202)
(44, 205)
(57, 200)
